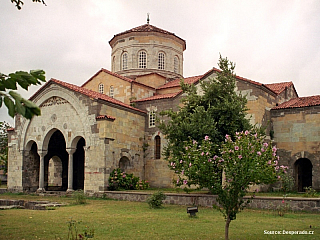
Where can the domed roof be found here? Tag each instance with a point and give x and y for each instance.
(148, 28)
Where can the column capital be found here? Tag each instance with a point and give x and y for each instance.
(42, 153)
(71, 150)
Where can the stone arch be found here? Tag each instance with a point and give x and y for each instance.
(30, 167)
(303, 173)
(85, 121)
(55, 172)
(55, 145)
(124, 163)
(78, 143)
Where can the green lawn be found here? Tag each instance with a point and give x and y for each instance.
(132, 220)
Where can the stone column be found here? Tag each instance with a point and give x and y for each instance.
(42, 154)
(70, 169)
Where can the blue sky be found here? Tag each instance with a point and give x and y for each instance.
(270, 41)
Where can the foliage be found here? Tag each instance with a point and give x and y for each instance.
(244, 161)
(13, 100)
(73, 232)
(155, 200)
(287, 183)
(19, 3)
(120, 180)
(4, 126)
(79, 197)
(142, 185)
(283, 208)
(216, 112)
(310, 192)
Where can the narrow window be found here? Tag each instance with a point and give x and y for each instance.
(111, 92)
(142, 59)
(152, 118)
(113, 64)
(176, 64)
(101, 88)
(125, 61)
(157, 153)
(161, 61)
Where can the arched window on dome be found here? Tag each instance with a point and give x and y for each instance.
(101, 88)
(124, 61)
(142, 59)
(111, 91)
(176, 64)
(157, 150)
(161, 61)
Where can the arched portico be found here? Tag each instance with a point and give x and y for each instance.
(31, 166)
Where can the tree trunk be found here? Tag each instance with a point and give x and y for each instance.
(226, 230)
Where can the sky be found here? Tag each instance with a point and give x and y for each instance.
(270, 41)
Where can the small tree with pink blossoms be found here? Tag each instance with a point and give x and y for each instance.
(245, 160)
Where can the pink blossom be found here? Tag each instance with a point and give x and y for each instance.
(185, 182)
(209, 160)
(237, 133)
(221, 160)
(269, 162)
(262, 150)
(256, 135)
(171, 163)
(202, 153)
(265, 144)
(180, 161)
(239, 156)
(206, 138)
(274, 149)
(190, 164)
(124, 176)
(279, 177)
(259, 153)
(186, 148)
(236, 148)
(246, 132)
(178, 181)
(283, 199)
(182, 172)
(207, 153)
(215, 157)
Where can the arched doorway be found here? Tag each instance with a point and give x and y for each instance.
(303, 174)
(55, 172)
(31, 165)
(56, 150)
(78, 165)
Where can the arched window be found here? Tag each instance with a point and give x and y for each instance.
(157, 152)
(124, 61)
(176, 64)
(113, 64)
(111, 91)
(161, 61)
(101, 88)
(152, 118)
(142, 59)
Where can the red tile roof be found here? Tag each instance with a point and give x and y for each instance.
(89, 93)
(148, 28)
(278, 87)
(176, 82)
(107, 117)
(159, 96)
(300, 102)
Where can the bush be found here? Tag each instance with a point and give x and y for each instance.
(155, 200)
(119, 180)
(142, 185)
(287, 183)
(310, 192)
(79, 197)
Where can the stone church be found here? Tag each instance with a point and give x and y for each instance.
(84, 132)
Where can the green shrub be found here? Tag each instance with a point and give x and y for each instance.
(79, 197)
(310, 192)
(142, 185)
(119, 180)
(287, 183)
(155, 200)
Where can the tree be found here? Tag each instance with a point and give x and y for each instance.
(246, 160)
(19, 3)
(13, 101)
(218, 111)
(4, 146)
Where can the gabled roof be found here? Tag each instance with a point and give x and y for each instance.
(147, 28)
(115, 75)
(159, 96)
(87, 92)
(176, 82)
(278, 87)
(300, 102)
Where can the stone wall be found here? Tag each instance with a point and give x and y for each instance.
(205, 200)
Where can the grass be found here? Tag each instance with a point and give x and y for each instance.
(133, 220)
